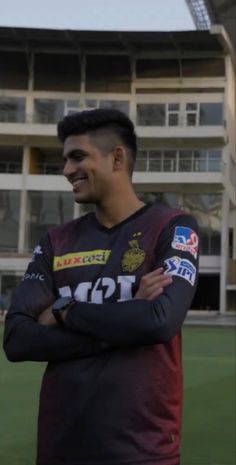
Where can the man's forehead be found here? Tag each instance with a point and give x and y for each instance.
(74, 142)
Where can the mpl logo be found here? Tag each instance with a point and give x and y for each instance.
(181, 267)
(185, 239)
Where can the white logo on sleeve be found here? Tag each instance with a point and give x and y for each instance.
(37, 251)
(181, 267)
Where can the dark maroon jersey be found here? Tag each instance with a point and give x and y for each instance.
(112, 390)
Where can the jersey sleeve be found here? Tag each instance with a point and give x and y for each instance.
(140, 322)
(24, 338)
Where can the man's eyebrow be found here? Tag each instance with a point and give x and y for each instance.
(74, 153)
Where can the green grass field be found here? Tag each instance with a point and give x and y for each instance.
(209, 426)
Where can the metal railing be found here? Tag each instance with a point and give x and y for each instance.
(10, 167)
(174, 163)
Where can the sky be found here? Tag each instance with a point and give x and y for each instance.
(123, 15)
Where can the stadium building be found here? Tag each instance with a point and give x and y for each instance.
(179, 90)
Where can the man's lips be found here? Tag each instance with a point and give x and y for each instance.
(76, 183)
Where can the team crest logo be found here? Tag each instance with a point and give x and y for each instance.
(133, 258)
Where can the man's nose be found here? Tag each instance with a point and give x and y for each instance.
(69, 168)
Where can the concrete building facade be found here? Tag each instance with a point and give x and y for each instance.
(179, 90)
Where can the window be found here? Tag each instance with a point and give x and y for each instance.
(191, 114)
(116, 104)
(46, 210)
(151, 114)
(211, 114)
(172, 114)
(169, 160)
(48, 111)
(214, 160)
(155, 160)
(10, 159)
(12, 109)
(9, 219)
(46, 161)
(141, 161)
(207, 210)
(185, 160)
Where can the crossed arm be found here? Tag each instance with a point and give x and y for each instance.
(155, 314)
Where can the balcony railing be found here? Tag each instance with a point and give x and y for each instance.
(176, 162)
(48, 168)
(10, 167)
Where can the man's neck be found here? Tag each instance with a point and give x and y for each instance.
(113, 213)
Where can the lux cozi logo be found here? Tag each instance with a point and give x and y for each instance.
(101, 290)
(71, 260)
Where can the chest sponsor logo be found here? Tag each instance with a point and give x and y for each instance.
(133, 258)
(33, 277)
(102, 289)
(71, 260)
(185, 239)
(183, 268)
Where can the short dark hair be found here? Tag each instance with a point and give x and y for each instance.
(98, 121)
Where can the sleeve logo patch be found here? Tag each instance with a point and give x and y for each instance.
(181, 267)
(37, 251)
(185, 239)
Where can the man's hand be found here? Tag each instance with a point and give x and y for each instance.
(46, 318)
(152, 285)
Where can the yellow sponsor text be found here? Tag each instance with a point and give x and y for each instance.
(71, 260)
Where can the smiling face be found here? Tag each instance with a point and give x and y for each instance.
(88, 169)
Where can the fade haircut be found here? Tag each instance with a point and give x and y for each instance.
(106, 127)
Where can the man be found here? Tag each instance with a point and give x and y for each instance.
(96, 305)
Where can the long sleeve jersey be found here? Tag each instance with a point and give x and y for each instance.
(122, 404)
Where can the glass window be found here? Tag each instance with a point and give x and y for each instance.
(191, 114)
(91, 103)
(151, 114)
(9, 219)
(169, 160)
(207, 210)
(155, 160)
(10, 159)
(48, 111)
(12, 109)
(214, 160)
(46, 210)
(200, 160)
(141, 161)
(211, 114)
(45, 160)
(121, 105)
(185, 160)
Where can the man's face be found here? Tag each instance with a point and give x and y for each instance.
(87, 169)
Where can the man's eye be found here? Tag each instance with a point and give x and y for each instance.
(78, 156)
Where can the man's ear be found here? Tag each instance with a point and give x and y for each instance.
(119, 158)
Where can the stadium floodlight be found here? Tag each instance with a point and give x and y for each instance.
(200, 13)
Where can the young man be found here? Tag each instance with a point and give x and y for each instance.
(97, 306)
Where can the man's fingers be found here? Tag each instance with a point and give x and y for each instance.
(155, 294)
(157, 279)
